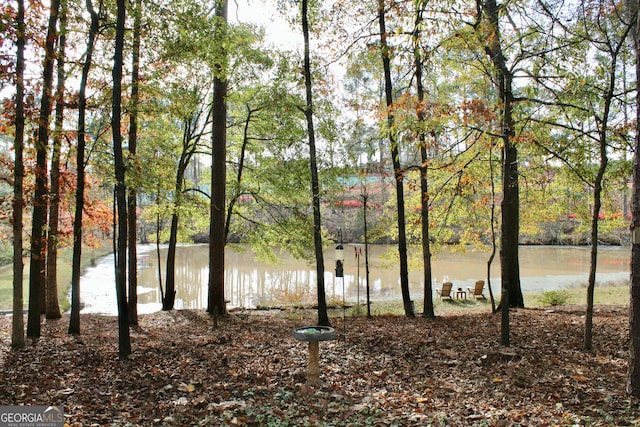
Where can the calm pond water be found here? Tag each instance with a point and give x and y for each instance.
(249, 282)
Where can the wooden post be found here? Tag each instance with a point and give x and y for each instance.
(313, 368)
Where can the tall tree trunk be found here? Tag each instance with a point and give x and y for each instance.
(133, 143)
(124, 339)
(17, 321)
(597, 204)
(633, 370)
(395, 156)
(37, 267)
(190, 143)
(323, 317)
(74, 319)
(53, 307)
(216, 303)
(603, 139)
(510, 227)
(424, 181)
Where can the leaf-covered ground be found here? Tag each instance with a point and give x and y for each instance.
(384, 371)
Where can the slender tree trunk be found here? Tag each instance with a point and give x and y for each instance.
(395, 156)
(597, 194)
(133, 144)
(323, 318)
(633, 370)
(158, 224)
(597, 204)
(216, 303)
(17, 321)
(74, 320)
(53, 307)
(190, 143)
(169, 298)
(493, 230)
(510, 227)
(124, 340)
(37, 267)
(424, 181)
(241, 159)
(366, 251)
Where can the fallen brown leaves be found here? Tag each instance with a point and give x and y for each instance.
(389, 371)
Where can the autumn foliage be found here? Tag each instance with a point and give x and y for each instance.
(385, 371)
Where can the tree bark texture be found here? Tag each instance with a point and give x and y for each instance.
(124, 339)
(216, 303)
(323, 318)
(53, 307)
(510, 226)
(133, 146)
(427, 310)
(395, 156)
(74, 318)
(17, 321)
(37, 267)
(633, 370)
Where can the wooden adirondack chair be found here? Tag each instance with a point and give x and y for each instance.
(445, 292)
(477, 291)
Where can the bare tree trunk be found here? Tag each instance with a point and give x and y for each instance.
(37, 267)
(216, 303)
(53, 307)
(17, 322)
(510, 225)
(74, 320)
(399, 173)
(133, 144)
(603, 140)
(424, 181)
(323, 318)
(633, 372)
(124, 340)
(597, 204)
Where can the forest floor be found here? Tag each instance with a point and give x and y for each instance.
(381, 371)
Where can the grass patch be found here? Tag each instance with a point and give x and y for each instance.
(89, 255)
(616, 294)
(301, 307)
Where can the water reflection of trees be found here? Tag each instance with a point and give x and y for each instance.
(249, 283)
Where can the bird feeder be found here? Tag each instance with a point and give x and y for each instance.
(339, 261)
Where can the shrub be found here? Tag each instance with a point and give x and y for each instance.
(554, 298)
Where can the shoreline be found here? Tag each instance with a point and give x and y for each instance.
(534, 284)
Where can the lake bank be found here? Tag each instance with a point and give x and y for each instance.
(89, 258)
(542, 268)
(250, 282)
